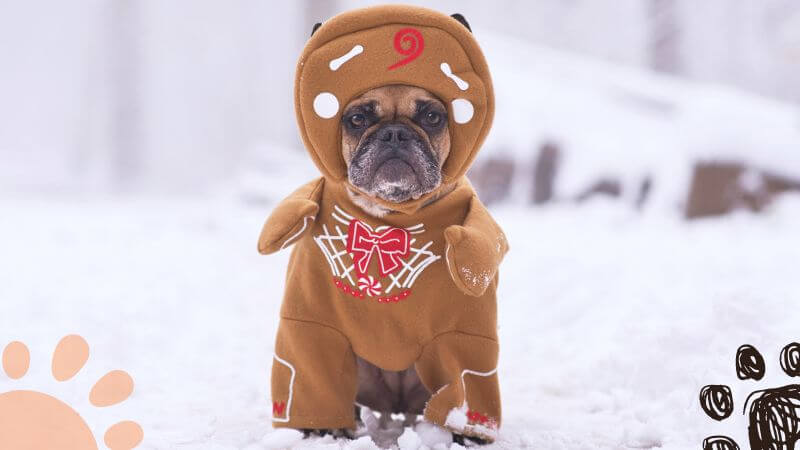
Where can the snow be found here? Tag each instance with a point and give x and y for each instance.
(282, 438)
(409, 440)
(610, 321)
(432, 435)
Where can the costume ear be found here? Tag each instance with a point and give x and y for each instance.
(461, 19)
(317, 25)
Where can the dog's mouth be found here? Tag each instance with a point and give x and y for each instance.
(396, 180)
(396, 170)
(395, 175)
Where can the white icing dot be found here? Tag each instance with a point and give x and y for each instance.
(462, 110)
(326, 105)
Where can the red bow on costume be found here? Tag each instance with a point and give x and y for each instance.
(391, 246)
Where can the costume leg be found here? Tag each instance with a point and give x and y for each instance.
(461, 370)
(313, 377)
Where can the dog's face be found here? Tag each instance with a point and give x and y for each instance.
(395, 140)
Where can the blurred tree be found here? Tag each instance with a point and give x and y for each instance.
(123, 33)
(665, 35)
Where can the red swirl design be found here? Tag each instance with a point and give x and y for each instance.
(412, 39)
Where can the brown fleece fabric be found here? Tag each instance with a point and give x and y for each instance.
(414, 287)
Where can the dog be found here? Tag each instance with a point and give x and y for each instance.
(395, 140)
(390, 295)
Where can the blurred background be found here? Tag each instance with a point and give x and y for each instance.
(144, 142)
(630, 99)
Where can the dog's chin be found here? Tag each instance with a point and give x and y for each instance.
(395, 181)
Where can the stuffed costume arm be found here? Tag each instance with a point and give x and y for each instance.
(290, 219)
(474, 250)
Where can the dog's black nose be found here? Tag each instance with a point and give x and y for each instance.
(394, 133)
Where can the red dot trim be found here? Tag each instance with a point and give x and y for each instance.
(476, 417)
(355, 293)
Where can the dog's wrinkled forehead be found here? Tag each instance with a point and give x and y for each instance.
(361, 50)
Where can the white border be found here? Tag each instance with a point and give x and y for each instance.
(305, 224)
(291, 389)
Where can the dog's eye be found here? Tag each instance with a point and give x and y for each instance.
(357, 120)
(433, 118)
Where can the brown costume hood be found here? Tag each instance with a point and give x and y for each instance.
(367, 48)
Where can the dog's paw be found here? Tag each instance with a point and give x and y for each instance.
(462, 440)
(286, 224)
(472, 258)
(339, 433)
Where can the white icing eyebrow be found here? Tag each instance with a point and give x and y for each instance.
(336, 63)
(463, 85)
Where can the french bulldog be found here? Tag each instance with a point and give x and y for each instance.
(395, 140)
(360, 321)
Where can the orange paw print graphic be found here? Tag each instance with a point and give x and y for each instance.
(35, 420)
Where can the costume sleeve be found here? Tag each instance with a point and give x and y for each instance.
(475, 249)
(290, 219)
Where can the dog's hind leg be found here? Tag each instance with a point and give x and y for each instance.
(460, 369)
(313, 377)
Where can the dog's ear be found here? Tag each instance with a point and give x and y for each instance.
(461, 19)
(317, 25)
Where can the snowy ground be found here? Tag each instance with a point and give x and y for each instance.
(610, 322)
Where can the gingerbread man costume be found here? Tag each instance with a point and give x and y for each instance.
(414, 287)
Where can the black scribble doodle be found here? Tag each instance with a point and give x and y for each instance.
(790, 359)
(717, 401)
(749, 363)
(719, 443)
(773, 414)
(774, 418)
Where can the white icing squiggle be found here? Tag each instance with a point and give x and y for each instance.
(463, 85)
(336, 63)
